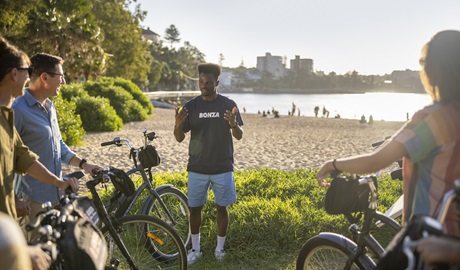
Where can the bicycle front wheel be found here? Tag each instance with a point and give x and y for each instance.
(177, 204)
(143, 237)
(323, 254)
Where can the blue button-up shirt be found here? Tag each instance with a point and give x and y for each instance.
(39, 130)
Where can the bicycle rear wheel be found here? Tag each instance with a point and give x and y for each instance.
(144, 237)
(177, 204)
(323, 254)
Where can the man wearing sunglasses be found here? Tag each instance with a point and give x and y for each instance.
(37, 124)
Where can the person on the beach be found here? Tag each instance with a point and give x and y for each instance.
(16, 157)
(37, 124)
(212, 120)
(429, 143)
(316, 111)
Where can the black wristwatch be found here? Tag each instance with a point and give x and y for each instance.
(83, 161)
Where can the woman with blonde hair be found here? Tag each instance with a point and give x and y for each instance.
(429, 143)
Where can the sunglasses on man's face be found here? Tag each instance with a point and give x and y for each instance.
(29, 70)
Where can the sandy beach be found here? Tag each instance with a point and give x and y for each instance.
(285, 143)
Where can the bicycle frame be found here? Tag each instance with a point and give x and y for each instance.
(108, 220)
(125, 204)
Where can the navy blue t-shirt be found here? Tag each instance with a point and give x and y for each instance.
(211, 144)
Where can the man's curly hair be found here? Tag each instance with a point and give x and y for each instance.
(209, 68)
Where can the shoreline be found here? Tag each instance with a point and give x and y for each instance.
(284, 143)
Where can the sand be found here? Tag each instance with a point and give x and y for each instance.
(285, 143)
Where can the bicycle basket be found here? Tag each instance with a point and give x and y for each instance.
(346, 196)
(149, 157)
(122, 182)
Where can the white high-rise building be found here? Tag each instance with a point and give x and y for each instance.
(271, 64)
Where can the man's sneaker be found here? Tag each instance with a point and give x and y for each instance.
(220, 254)
(193, 256)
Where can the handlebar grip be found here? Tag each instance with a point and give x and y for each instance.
(38, 221)
(380, 142)
(77, 174)
(396, 174)
(107, 143)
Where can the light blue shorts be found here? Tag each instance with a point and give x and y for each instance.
(223, 187)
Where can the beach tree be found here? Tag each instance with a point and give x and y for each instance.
(221, 59)
(66, 28)
(126, 52)
(172, 34)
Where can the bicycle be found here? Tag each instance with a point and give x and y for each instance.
(402, 253)
(133, 241)
(333, 251)
(165, 201)
(64, 232)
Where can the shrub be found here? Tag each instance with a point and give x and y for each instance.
(74, 90)
(120, 99)
(136, 92)
(70, 124)
(97, 114)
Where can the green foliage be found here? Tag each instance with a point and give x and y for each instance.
(128, 52)
(74, 90)
(276, 212)
(178, 66)
(137, 94)
(70, 124)
(97, 114)
(67, 28)
(121, 100)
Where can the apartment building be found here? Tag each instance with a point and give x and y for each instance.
(271, 64)
(302, 66)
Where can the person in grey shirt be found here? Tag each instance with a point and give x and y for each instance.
(37, 124)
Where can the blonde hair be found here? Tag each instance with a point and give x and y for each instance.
(441, 66)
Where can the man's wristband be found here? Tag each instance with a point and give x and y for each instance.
(234, 126)
(83, 161)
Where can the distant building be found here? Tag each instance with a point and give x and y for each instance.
(271, 64)
(302, 66)
(407, 80)
(150, 36)
(226, 77)
(253, 74)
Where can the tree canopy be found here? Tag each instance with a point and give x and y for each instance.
(99, 38)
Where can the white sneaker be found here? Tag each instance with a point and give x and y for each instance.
(220, 254)
(193, 256)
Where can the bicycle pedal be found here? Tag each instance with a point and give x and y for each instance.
(114, 263)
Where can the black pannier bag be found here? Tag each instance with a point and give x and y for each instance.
(83, 246)
(346, 196)
(149, 157)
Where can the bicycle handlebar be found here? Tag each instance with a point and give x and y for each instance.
(380, 142)
(118, 141)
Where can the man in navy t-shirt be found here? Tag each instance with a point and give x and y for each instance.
(212, 120)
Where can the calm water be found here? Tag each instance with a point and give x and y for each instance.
(382, 106)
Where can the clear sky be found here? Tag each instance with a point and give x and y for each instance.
(369, 36)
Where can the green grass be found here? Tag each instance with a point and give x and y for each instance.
(275, 213)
